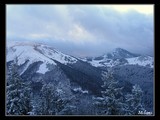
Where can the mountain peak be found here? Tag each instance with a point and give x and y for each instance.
(121, 53)
(119, 49)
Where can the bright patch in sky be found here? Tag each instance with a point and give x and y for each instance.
(145, 9)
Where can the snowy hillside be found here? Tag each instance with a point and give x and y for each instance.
(33, 52)
(41, 64)
(120, 57)
(120, 53)
(142, 61)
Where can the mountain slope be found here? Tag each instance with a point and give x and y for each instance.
(33, 52)
(41, 63)
(120, 57)
(120, 53)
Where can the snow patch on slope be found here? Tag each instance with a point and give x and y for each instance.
(147, 61)
(56, 55)
(96, 63)
(42, 68)
(80, 90)
(104, 62)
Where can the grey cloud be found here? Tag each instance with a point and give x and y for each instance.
(109, 28)
(133, 31)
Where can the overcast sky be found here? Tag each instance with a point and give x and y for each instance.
(84, 30)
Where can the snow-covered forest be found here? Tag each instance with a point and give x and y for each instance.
(22, 100)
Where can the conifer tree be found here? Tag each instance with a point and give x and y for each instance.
(112, 101)
(50, 102)
(48, 99)
(134, 101)
(17, 92)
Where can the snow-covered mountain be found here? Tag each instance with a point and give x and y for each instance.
(33, 52)
(120, 57)
(42, 64)
(120, 53)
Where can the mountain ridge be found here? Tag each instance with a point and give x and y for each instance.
(120, 56)
(42, 64)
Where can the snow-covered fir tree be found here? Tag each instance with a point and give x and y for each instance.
(112, 100)
(17, 92)
(134, 101)
(68, 107)
(83, 104)
(48, 99)
(49, 102)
